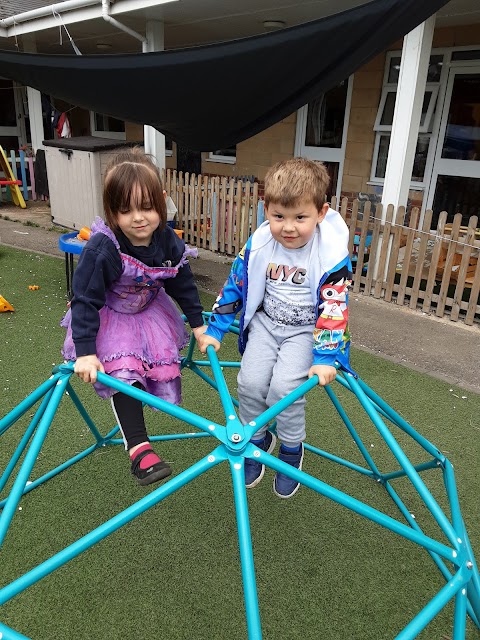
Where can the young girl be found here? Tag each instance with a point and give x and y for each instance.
(122, 320)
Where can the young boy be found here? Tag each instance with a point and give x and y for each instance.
(290, 282)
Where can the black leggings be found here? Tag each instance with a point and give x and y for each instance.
(129, 414)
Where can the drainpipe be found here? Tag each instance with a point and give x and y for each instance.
(108, 18)
(42, 12)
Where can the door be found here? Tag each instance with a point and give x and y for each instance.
(12, 121)
(455, 184)
(322, 131)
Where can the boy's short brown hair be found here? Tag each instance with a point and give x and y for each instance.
(291, 181)
(131, 167)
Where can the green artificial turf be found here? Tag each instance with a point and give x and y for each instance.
(173, 573)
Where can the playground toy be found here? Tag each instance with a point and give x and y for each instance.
(11, 181)
(5, 305)
(452, 554)
(84, 233)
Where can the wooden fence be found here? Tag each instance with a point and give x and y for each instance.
(437, 271)
(398, 260)
(215, 213)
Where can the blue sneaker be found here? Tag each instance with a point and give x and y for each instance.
(283, 486)
(254, 470)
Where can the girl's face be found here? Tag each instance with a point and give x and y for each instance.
(139, 220)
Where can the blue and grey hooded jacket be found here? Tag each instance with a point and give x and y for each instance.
(245, 287)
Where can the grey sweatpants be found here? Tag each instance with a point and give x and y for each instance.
(276, 361)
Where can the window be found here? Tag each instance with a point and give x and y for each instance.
(228, 156)
(387, 106)
(107, 127)
(322, 131)
(384, 119)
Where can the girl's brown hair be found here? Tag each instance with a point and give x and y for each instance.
(296, 180)
(129, 168)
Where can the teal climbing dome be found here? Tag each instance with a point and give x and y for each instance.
(452, 553)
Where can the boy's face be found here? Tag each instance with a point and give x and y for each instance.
(294, 226)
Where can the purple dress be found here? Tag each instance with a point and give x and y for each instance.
(141, 330)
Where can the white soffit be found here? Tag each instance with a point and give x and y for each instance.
(23, 23)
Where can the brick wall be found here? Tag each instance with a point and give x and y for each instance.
(257, 154)
(367, 89)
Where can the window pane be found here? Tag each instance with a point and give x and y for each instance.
(9, 143)
(388, 109)
(455, 194)
(473, 54)
(394, 69)
(107, 123)
(231, 152)
(419, 162)
(325, 118)
(434, 69)
(462, 137)
(420, 159)
(115, 125)
(426, 101)
(8, 115)
(332, 168)
(382, 156)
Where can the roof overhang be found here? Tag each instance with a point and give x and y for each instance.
(71, 11)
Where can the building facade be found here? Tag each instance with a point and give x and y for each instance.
(349, 128)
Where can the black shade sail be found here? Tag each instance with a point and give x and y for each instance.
(212, 97)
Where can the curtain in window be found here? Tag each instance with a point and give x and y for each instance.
(172, 90)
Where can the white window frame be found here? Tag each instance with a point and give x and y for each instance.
(447, 166)
(374, 179)
(213, 157)
(113, 135)
(324, 154)
(432, 117)
(426, 127)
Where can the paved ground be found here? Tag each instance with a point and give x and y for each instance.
(447, 350)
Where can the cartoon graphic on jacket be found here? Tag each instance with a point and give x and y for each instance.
(329, 278)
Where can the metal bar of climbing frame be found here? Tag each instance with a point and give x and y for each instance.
(193, 367)
(25, 440)
(30, 458)
(460, 615)
(436, 604)
(245, 546)
(225, 397)
(351, 503)
(273, 411)
(81, 409)
(338, 460)
(400, 422)
(158, 403)
(21, 408)
(358, 441)
(105, 529)
(405, 463)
